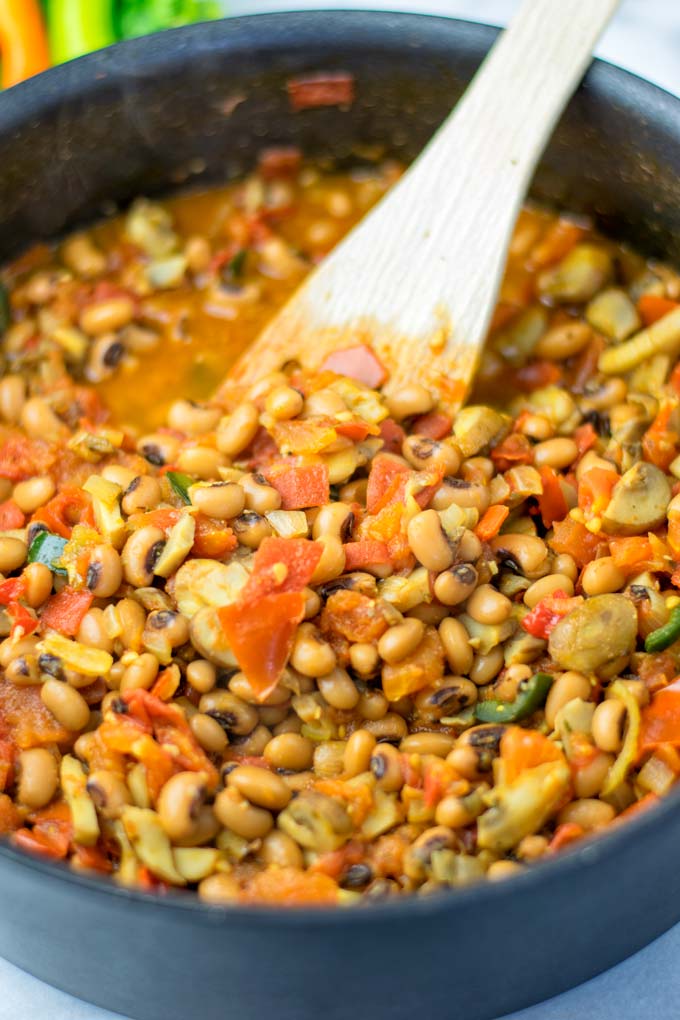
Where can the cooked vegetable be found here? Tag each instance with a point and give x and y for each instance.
(47, 548)
(531, 694)
(595, 633)
(663, 637)
(638, 502)
(181, 484)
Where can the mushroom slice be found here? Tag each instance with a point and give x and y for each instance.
(523, 806)
(639, 501)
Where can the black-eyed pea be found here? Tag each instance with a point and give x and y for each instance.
(143, 492)
(33, 493)
(169, 623)
(312, 603)
(66, 704)
(220, 888)
(385, 764)
(242, 817)
(140, 555)
(179, 803)
(456, 584)
(558, 453)
(208, 732)
(280, 850)
(391, 727)
(237, 430)
(498, 871)
(251, 529)
(259, 786)
(589, 779)
(38, 579)
(638, 688)
(529, 552)
(12, 553)
(462, 493)
(428, 541)
(140, 674)
(23, 670)
(608, 725)
(191, 418)
(338, 689)
(530, 848)
(588, 812)
(38, 777)
(202, 675)
(104, 571)
(565, 688)
(283, 403)
(290, 752)
(201, 462)
(132, 619)
(545, 586)
(358, 751)
(39, 420)
(108, 791)
(364, 658)
(422, 453)
(107, 316)
(312, 655)
(486, 667)
(81, 254)
(291, 724)
(564, 340)
(12, 397)
(272, 715)
(566, 564)
(452, 812)
(334, 519)
(457, 648)
(437, 744)
(231, 712)
(488, 606)
(11, 649)
(159, 448)
(410, 400)
(332, 562)
(448, 697)
(254, 744)
(261, 497)
(93, 632)
(373, 705)
(602, 576)
(401, 640)
(221, 500)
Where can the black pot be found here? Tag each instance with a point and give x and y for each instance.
(195, 105)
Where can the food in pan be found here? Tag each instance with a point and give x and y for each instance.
(302, 642)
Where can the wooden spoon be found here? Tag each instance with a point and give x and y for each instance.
(417, 279)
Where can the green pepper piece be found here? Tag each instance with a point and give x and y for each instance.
(180, 484)
(662, 637)
(531, 694)
(237, 265)
(47, 548)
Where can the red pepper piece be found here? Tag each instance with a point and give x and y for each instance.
(299, 485)
(64, 612)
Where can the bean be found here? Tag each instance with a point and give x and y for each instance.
(221, 500)
(290, 752)
(251, 529)
(528, 551)
(449, 696)
(391, 727)
(410, 400)
(532, 847)
(355, 491)
(220, 888)
(536, 427)
(39, 420)
(455, 585)
(272, 715)
(478, 469)
(609, 720)
(11, 649)
(566, 564)
(67, 706)
(458, 492)
(373, 705)
(12, 397)
(236, 431)
(201, 462)
(92, 631)
(208, 733)
(545, 586)
(260, 496)
(589, 813)
(500, 870)
(171, 625)
(452, 812)
(108, 792)
(422, 453)
(334, 519)
(589, 779)
(457, 648)
(140, 674)
(120, 475)
(358, 751)
(280, 850)
(23, 671)
(311, 655)
(565, 688)
(243, 818)
(140, 555)
(486, 667)
(602, 576)
(38, 777)
(555, 453)
(107, 316)
(564, 340)
(325, 402)
(283, 403)
(142, 493)
(312, 603)
(399, 641)
(198, 253)
(638, 688)
(12, 554)
(438, 744)
(364, 658)
(428, 542)
(105, 355)
(132, 619)
(231, 712)
(202, 675)
(81, 255)
(38, 580)
(105, 571)
(385, 764)
(179, 803)
(239, 685)
(332, 562)
(466, 761)
(338, 689)
(488, 606)
(159, 448)
(469, 548)
(33, 493)
(193, 419)
(591, 460)
(609, 393)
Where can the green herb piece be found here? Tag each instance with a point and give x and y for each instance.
(237, 265)
(180, 484)
(662, 637)
(531, 694)
(47, 548)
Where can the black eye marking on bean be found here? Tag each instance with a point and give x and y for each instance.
(152, 453)
(134, 484)
(94, 573)
(113, 354)
(161, 619)
(51, 664)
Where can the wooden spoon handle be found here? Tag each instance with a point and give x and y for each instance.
(419, 275)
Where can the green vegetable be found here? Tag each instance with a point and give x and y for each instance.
(47, 548)
(531, 694)
(181, 484)
(664, 636)
(236, 266)
(79, 26)
(140, 17)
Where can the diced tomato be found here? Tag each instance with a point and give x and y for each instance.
(660, 719)
(544, 617)
(392, 436)
(326, 89)
(27, 720)
(421, 668)
(434, 425)
(213, 539)
(24, 620)
(336, 862)
(558, 240)
(368, 553)
(660, 441)
(359, 363)
(570, 536)
(11, 590)
(631, 554)
(565, 834)
(514, 449)
(7, 753)
(535, 375)
(10, 516)
(299, 485)
(69, 507)
(262, 451)
(64, 612)
(353, 615)
(51, 833)
(22, 458)
(261, 636)
(355, 430)
(381, 477)
(552, 502)
(166, 684)
(165, 519)
(653, 307)
(91, 858)
(585, 438)
(299, 557)
(10, 819)
(492, 522)
(304, 437)
(522, 749)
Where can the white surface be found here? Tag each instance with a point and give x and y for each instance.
(645, 37)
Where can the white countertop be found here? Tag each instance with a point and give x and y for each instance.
(645, 37)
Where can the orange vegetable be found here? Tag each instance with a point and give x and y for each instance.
(11, 590)
(23, 41)
(552, 502)
(22, 458)
(560, 237)
(653, 307)
(392, 436)
(631, 554)
(570, 536)
(364, 554)
(492, 522)
(595, 490)
(353, 615)
(299, 485)
(585, 438)
(291, 887)
(384, 471)
(69, 507)
(359, 363)
(27, 721)
(660, 441)
(298, 556)
(525, 749)
(65, 611)
(10, 819)
(434, 425)
(213, 539)
(660, 719)
(514, 449)
(51, 833)
(10, 516)
(422, 667)
(569, 832)
(649, 800)
(23, 620)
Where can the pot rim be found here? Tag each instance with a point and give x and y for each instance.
(69, 80)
